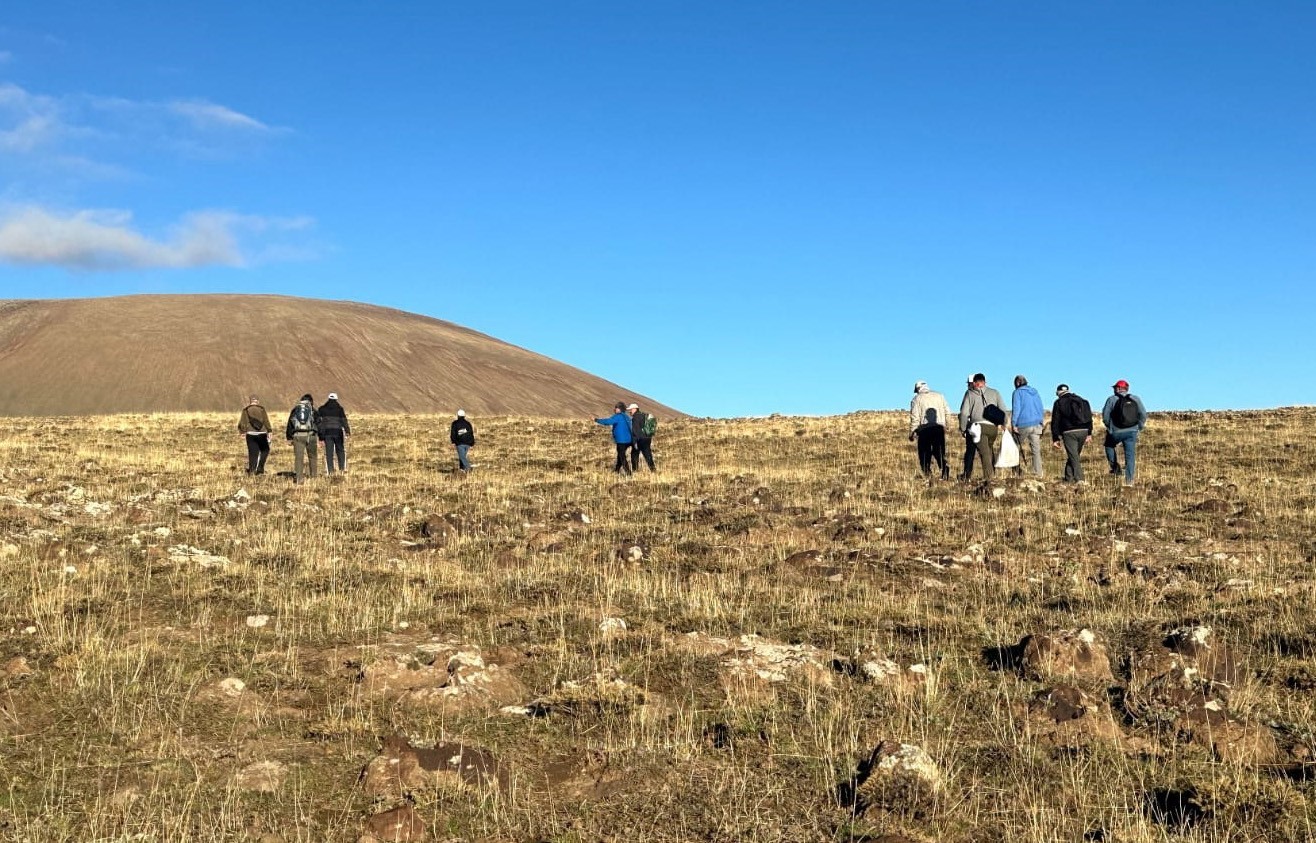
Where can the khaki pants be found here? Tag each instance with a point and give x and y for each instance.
(304, 448)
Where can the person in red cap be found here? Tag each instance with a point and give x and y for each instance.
(1124, 416)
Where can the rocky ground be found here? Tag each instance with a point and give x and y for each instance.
(786, 634)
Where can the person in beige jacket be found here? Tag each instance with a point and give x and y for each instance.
(928, 414)
(254, 425)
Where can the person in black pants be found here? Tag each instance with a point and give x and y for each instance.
(640, 444)
(333, 431)
(254, 425)
(621, 435)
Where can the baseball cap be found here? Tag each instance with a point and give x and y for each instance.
(1121, 384)
(919, 385)
(333, 396)
(461, 414)
(632, 406)
(1062, 389)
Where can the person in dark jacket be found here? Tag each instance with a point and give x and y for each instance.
(301, 434)
(621, 435)
(254, 425)
(640, 443)
(1071, 428)
(334, 430)
(463, 439)
(1124, 416)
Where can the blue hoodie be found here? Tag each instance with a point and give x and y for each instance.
(1026, 407)
(621, 427)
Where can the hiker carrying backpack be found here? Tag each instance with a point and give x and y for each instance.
(643, 427)
(1124, 417)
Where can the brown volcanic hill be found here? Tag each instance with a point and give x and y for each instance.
(169, 353)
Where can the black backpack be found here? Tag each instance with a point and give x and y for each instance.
(993, 414)
(1125, 412)
(1081, 411)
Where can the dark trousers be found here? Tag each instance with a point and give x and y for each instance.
(333, 446)
(932, 445)
(258, 448)
(984, 449)
(1073, 441)
(645, 447)
(622, 467)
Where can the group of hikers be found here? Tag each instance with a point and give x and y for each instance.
(982, 418)
(308, 426)
(983, 415)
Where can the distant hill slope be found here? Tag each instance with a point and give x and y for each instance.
(167, 353)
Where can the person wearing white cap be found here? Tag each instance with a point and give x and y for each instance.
(928, 413)
(334, 431)
(463, 439)
(643, 426)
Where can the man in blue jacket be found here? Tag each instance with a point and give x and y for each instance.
(621, 435)
(1026, 421)
(1124, 417)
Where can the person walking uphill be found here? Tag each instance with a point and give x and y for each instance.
(643, 427)
(928, 414)
(302, 434)
(254, 425)
(621, 435)
(1026, 420)
(981, 418)
(463, 439)
(1124, 417)
(1071, 425)
(334, 430)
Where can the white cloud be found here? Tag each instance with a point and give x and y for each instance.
(98, 127)
(209, 115)
(28, 122)
(100, 240)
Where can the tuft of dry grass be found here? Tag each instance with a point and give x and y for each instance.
(712, 652)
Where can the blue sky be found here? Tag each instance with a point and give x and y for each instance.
(736, 208)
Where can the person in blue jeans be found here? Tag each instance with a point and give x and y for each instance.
(1124, 417)
(1026, 422)
(462, 437)
(621, 435)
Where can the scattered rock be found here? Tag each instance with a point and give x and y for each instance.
(1207, 653)
(895, 775)
(752, 659)
(400, 825)
(435, 674)
(611, 628)
(1067, 717)
(183, 553)
(402, 769)
(17, 668)
(257, 621)
(261, 777)
(1070, 653)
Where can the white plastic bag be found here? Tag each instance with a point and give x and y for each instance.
(1009, 456)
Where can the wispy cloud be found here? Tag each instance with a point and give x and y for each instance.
(99, 127)
(209, 115)
(106, 240)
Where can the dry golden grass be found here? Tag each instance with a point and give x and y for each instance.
(113, 642)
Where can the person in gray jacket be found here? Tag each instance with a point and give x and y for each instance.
(1124, 417)
(981, 417)
(928, 416)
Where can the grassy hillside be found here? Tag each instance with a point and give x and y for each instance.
(786, 634)
(184, 353)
